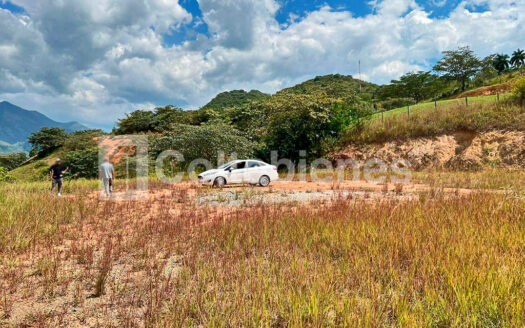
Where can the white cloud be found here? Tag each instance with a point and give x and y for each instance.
(95, 60)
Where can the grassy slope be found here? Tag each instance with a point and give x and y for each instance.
(440, 104)
(482, 116)
(36, 170)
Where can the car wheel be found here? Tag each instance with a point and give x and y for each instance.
(264, 181)
(219, 182)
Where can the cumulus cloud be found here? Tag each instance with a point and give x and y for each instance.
(95, 60)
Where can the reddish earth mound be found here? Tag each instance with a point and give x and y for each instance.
(487, 91)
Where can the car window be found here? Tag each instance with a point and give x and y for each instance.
(240, 165)
(224, 166)
(253, 164)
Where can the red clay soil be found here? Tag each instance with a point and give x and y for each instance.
(486, 91)
(117, 149)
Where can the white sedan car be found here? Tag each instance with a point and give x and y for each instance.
(241, 171)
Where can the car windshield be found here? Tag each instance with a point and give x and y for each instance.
(226, 165)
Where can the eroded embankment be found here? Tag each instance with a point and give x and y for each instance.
(462, 150)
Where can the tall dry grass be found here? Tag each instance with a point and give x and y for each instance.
(434, 262)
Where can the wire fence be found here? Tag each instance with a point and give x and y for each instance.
(410, 109)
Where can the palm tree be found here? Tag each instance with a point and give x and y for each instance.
(518, 59)
(501, 63)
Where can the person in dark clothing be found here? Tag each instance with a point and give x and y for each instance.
(56, 173)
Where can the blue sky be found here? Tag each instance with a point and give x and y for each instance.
(93, 61)
(298, 9)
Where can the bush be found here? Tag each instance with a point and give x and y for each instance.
(519, 91)
(82, 163)
(12, 161)
(5, 176)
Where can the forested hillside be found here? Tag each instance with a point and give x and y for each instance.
(234, 98)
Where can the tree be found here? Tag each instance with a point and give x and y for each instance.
(459, 65)
(415, 85)
(204, 141)
(518, 59)
(158, 120)
(501, 63)
(81, 140)
(308, 122)
(47, 140)
(487, 72)
(82, 163)
(135, 122)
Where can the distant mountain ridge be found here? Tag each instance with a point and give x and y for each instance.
(17, 124)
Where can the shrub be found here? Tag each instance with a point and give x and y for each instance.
(5, 176)
(519, 91)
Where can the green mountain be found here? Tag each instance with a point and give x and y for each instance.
(17, 124)
(234, 98)
(335, 86)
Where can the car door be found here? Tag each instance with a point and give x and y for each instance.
(238, 172)
(253, 172)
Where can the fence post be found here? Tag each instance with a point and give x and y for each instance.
(383, 117)
(435, 105)
(466, 101)
(498, 96)
(408, 111)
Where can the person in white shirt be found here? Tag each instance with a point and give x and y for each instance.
(107, 174)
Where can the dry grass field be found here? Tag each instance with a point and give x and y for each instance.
(436, 259)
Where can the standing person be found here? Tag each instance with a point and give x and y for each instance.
(56, 173)
(107, 174)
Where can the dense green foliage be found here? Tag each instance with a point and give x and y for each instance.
(47, 140)
(12, 161)
(82, 163)
(81, 140)
(158, 120)
(309, 123)
(203, 141)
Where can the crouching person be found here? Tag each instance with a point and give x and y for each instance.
(107, 174)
